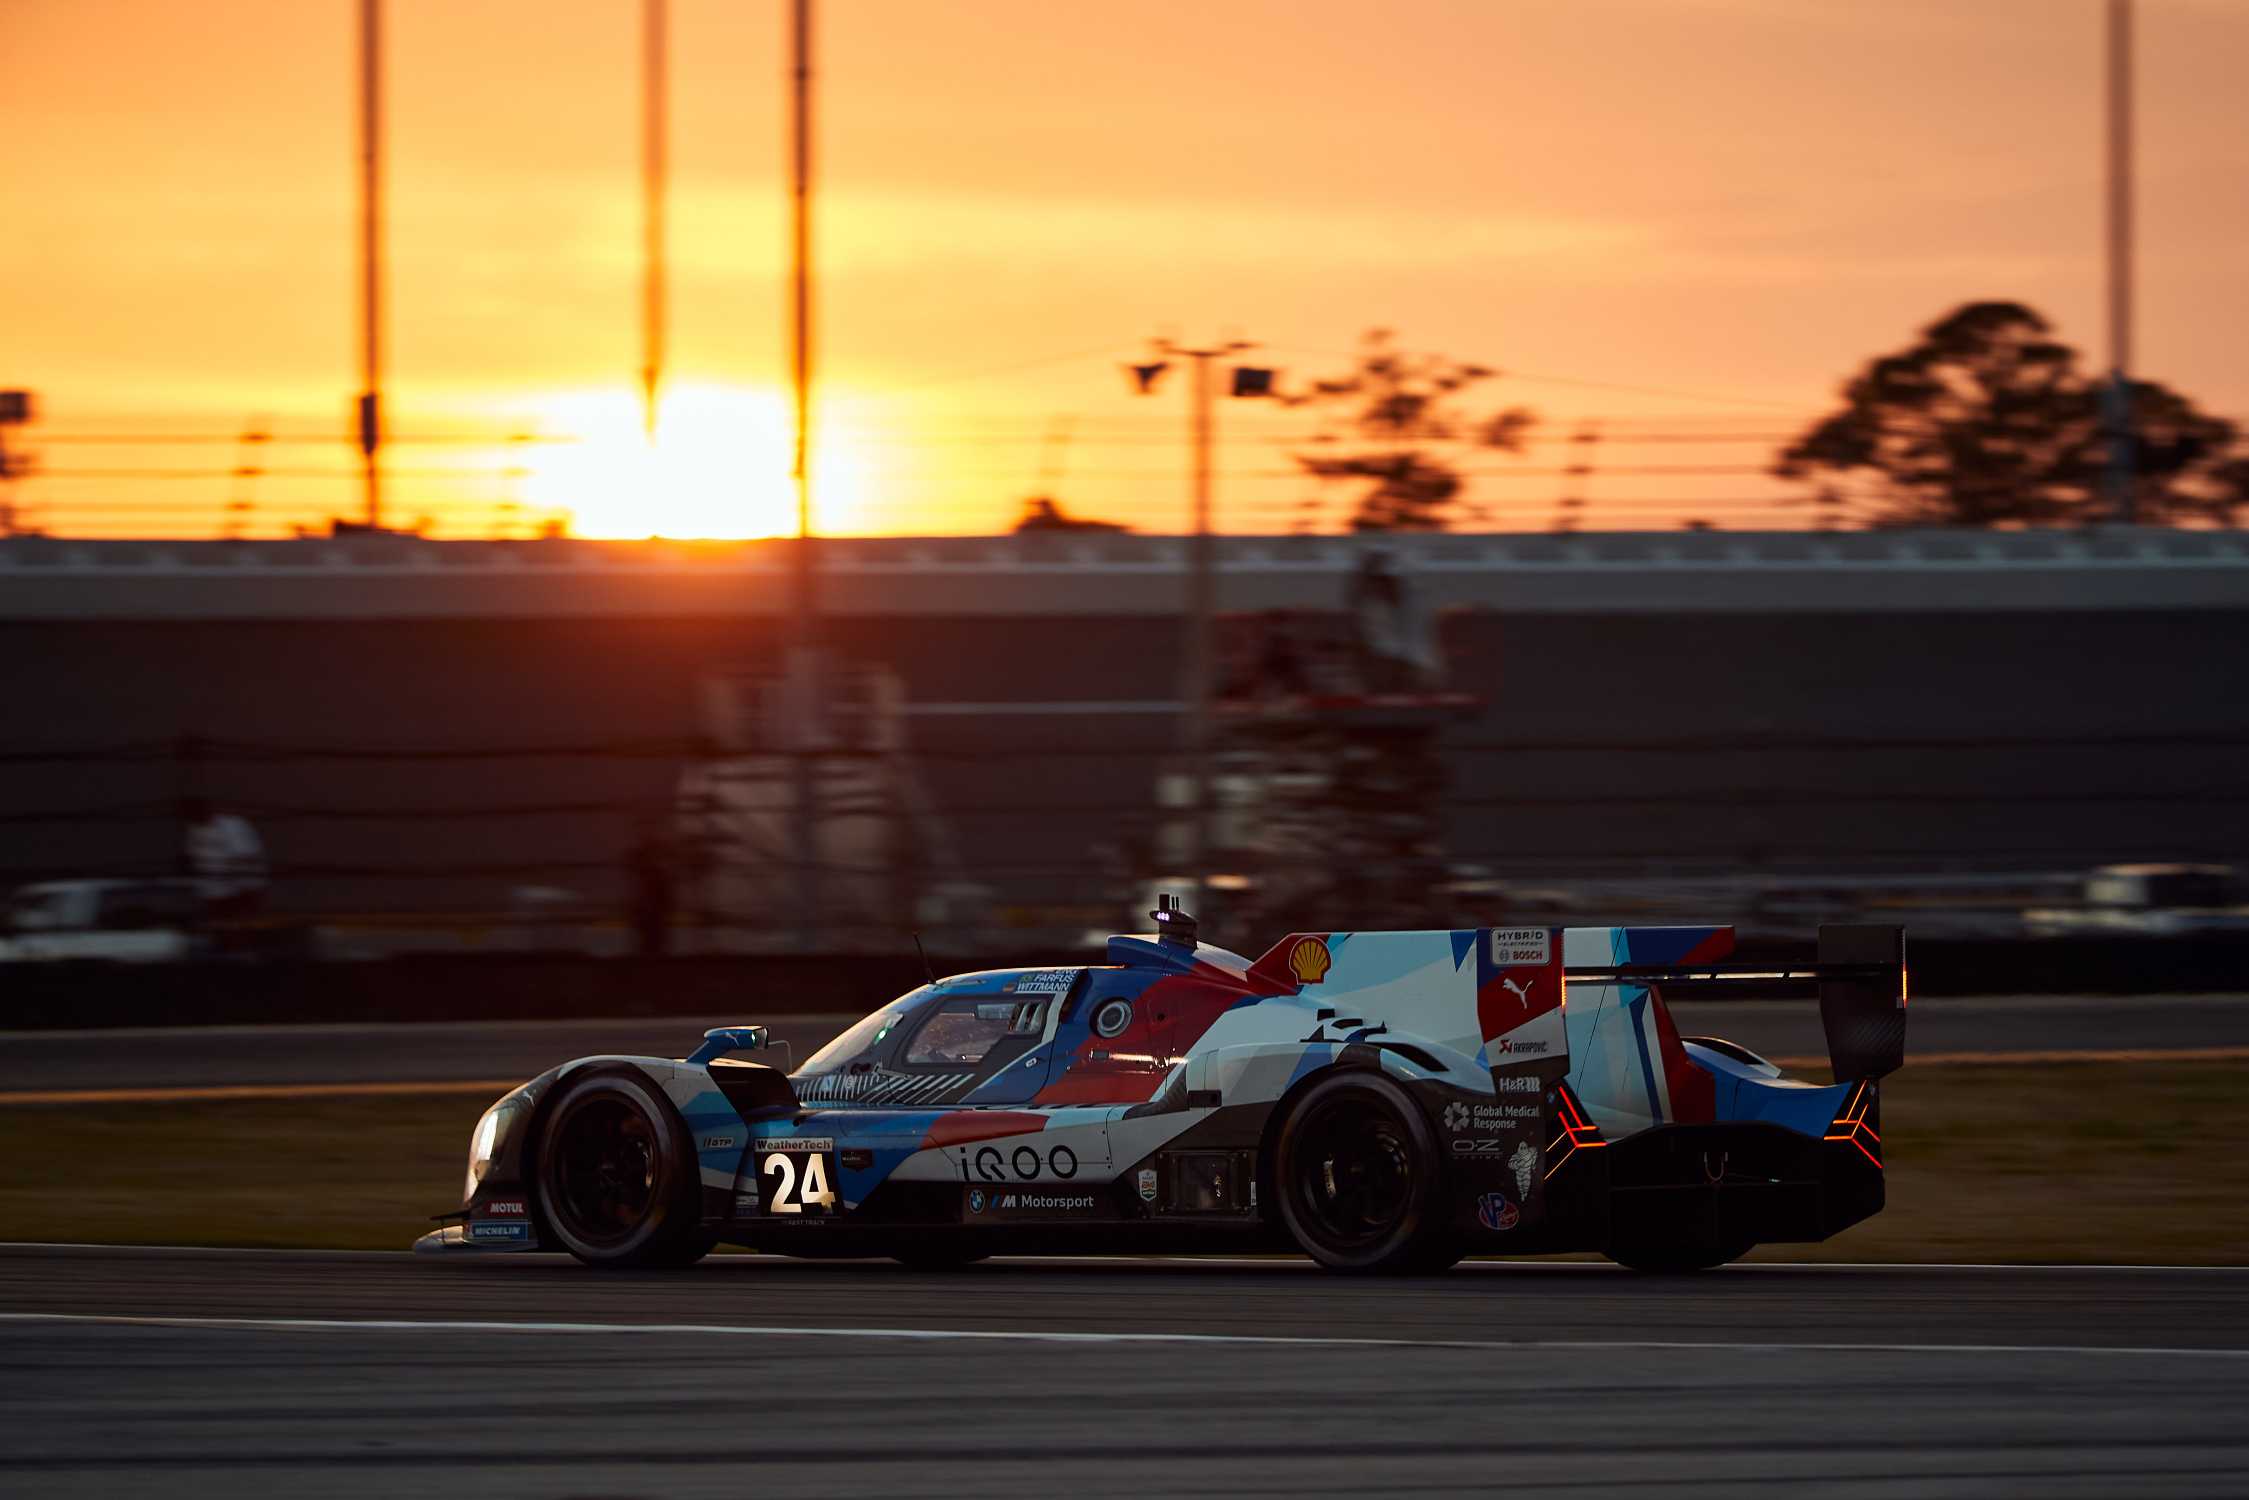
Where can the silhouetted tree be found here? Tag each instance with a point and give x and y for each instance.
(1989, 421)
(1394, 427)
(1044, 513)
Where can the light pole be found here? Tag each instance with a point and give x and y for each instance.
(1201, 581)
(2117, 395)
(804, 659)
(370, 257)
(653, 110)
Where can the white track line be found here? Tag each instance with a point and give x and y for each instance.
(434, 1029)
(1052, 1336)
(1278, 1261)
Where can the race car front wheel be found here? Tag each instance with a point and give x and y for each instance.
(1358, 1176)
(617, 1180)
(1675, 1257)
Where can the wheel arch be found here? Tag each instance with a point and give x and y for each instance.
(542, 1109)
(1356, 1058)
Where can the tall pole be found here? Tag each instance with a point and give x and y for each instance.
(370, 255)
(2122, 480)
(1202, 593)
(654, 109)
(804, 657)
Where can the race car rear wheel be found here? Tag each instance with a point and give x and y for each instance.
(1675, 1257)
(617, 1179)
(1359, 1179)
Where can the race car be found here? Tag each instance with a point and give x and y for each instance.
(1380, 1101)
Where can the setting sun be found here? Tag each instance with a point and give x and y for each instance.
(718, 468)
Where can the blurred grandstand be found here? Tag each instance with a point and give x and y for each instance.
(528, 744)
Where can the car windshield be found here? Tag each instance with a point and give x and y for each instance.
(861, 1036)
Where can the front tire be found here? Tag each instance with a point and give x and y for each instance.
(1674, 1257)
(1359, 1178)
(618, 1181)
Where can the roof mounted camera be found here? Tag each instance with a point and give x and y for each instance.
(1173, 923)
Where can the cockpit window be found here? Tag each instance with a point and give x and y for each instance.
(963, 1032)
(861, 1038)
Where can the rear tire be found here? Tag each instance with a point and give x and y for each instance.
(1675, 1257)
(1360, 1180)
(618, 1183)
(937, 1257)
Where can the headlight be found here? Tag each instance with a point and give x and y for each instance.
(481, 1144)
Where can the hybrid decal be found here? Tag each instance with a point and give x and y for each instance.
(1521, 946)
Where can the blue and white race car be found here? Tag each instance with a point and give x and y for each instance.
(1382, 1101)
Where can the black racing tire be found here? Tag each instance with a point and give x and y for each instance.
(937, 1256)
(618, 1185)
(1360, 1180)
(1681, 1257)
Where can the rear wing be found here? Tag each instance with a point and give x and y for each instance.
(1859, 974)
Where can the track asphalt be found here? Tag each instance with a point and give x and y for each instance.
(205, 1372)
(203, 1057)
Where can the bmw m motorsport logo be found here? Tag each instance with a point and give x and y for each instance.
(1031, 1203)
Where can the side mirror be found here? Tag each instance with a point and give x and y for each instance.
(720, 1040)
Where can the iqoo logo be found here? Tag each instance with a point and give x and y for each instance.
(1023, 1164)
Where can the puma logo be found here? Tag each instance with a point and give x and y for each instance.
(1521, 992)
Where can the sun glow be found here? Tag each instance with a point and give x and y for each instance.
(718, 468)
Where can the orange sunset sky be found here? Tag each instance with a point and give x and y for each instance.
(1686, 220)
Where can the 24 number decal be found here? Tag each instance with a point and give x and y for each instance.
(793, 1176)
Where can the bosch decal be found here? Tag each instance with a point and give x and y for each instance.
(1520, 946)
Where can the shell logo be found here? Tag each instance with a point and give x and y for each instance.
(1309, 960)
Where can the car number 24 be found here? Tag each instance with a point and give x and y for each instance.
(795, 1175)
